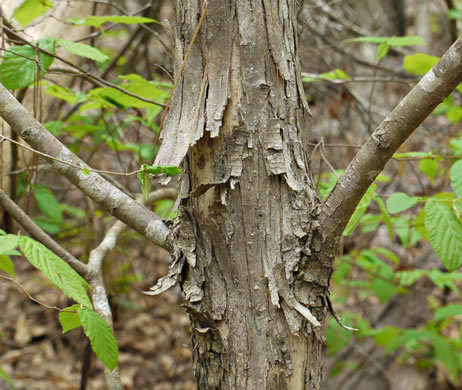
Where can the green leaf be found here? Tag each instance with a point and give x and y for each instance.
(386, 216)
(145, 181)
(8, 243)
(48, 204)
(337, 337)
(447, 311)
(85, 171)
(62, 93)
(411, 155)
(411, 40)
(392, 41)
(400, 201)
(101, 337)
(82, 50)
(429, 167)
(19, 69)
(31, 9)
(419, 63)
(408, 278)
(454, 114)
(446, 352)
(68, 319)
(161, 170)
(456, 177)
(98, 21)
(7, 265)
(382, 50)
(336, 74)
(360, 210)
(55, 269)
(444, 233)
(382, 286)
(6, 378)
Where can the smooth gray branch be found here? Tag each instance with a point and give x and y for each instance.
(110, 198)
(436, 85)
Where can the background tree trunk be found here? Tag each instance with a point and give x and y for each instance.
(248, 205)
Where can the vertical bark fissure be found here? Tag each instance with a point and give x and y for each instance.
(247, 204)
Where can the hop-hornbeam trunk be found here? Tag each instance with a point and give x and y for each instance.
(254, 275)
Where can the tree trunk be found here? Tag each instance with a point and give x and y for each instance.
(254, 281)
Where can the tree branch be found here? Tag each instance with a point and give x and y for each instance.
(436, 85)
(35, 231)
(110, 198)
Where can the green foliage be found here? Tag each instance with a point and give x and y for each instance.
(419, 63)
(49, 206)
(55, 269)
(82, 50)
(19, 68)
(444, 233)
(6, 264)
(6, 378)
(456, 177)
(98, 21)
(399, 202)
(69, 318)
(336, 74)
(100, 334)
(385, 43)
(31, 9)
(360, 210)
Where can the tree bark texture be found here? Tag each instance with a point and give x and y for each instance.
(247, 240)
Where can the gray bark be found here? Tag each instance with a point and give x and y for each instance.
(254, 246)
(248, 206)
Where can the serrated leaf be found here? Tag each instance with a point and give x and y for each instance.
(48, 204)
(444, 233)
(82, 50)
(419, 63)
(447, 311)
(429, 167)
(18, 68)
(31, 9)
(6, 378)
(54, 268)
(386, 216)
(7, 265)
(360, 210)
(456, 177)
(400, 201)
(101, 337)
(68, 319)
(98, 21)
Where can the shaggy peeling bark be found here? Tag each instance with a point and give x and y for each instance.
(248, 206)
(254, 247)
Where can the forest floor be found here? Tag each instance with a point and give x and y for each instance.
(152, 332)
